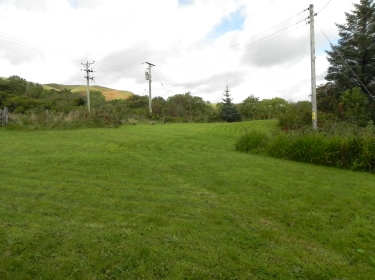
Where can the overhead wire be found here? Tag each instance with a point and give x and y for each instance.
(246, 46)
(47, 50)
(267, 29)
(162, 84)
(259, 42)
(323, 7)
(32, 45)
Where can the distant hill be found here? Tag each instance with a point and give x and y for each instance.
(109, 94)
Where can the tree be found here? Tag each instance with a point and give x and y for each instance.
(249, 108)
(137, 102)
(16, 85)
(3, 91)
(34, 90)
(229, 112)
(352, 106)
(97, 99)
(296, 116)
(328, 98)
(357, 46)
(158, 106)
(187, 106)
(272, 108)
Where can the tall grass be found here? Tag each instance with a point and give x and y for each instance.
(60, 120)
(354, 151)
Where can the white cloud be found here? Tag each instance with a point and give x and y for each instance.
(46, 41)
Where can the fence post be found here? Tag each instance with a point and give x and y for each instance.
(4, 116)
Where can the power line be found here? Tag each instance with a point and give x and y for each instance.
(31, 45)
(324, 7)
(118, 72)
(47, 50)
(244, 47)
(162, 84)
(268, 29)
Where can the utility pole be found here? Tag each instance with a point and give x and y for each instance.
(88, 71)
(313, 74)
(148, 77)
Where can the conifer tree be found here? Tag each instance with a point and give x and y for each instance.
(229, 112)
(357, 46)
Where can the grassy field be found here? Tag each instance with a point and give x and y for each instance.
(176, 201)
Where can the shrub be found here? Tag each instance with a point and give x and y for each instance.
(355, 151)
(59, 120)
(253, 141)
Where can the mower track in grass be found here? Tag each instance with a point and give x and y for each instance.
(176, 201)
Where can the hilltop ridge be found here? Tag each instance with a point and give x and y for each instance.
(109, 94)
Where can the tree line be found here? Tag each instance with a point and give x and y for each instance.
(23, 97)
(347, 96)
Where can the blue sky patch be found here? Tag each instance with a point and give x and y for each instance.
(185, 2)
(74, 4)
(233, 22)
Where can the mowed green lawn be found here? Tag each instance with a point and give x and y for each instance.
(176, 201)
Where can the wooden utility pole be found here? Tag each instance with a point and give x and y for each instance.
(313, 74)
(148, 77)
(87, 70)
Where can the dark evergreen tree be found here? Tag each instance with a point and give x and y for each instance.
(357, 46)
(228, 110)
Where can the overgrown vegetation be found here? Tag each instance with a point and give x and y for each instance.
(344, 146)
(60, 120)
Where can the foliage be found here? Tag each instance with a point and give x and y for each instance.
(60, 120)
(327, 97)
(356, 46)
(97, 100)
(249, 108)
(252, 142)
(158, 106)
(228, 110)
(296, 116)
(177, 108)
(355, 150)
(353, 106)
(190, 108)
(273, 108)
(254, 109)
(16, 85)
(21, 96)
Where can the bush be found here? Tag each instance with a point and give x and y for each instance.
(355, 151)
(59, 120)
(254, 141)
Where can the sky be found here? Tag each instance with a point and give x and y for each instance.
(259, 48)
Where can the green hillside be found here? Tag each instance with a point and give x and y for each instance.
(110, 94)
